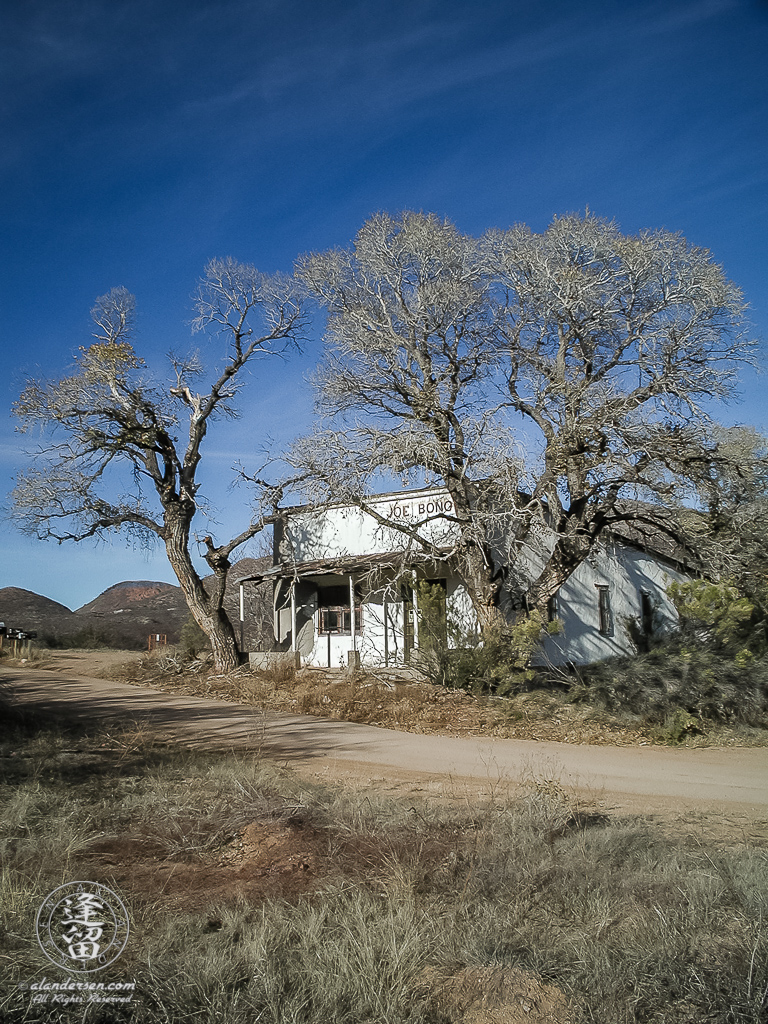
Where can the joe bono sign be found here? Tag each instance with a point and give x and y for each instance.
(416, 510)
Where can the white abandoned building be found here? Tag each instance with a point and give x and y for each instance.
(346, 586)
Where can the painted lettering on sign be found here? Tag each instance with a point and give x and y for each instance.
(420, 509)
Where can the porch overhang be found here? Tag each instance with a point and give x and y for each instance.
(356, 565)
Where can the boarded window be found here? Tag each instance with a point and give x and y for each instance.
(604, 611)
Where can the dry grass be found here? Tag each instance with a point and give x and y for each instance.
(396, 700)
(255, 896)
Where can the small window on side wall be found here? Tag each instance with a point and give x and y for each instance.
(646, 613)
(552, 608)
(604, 610)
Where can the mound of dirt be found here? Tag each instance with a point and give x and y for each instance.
(271, 858)
(494, 995)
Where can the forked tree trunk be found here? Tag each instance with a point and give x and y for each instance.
(565, 559)
(483, 587)
(207, 613)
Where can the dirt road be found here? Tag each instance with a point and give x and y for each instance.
(652, 779)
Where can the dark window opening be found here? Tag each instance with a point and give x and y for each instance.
(646, 612)
(552, 608)
(604, 607)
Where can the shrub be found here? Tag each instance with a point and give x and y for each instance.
(498, 663)
(192, 640)
(714, 611)
(675, 680)
(89, 638)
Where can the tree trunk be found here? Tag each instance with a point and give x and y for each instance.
(476, 567)
(483, 586)
(207, 613)
(219, 630)
(566, 557)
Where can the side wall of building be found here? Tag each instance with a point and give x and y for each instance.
(627, 574)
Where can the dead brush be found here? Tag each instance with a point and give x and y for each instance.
(189, 834)
(280, 673)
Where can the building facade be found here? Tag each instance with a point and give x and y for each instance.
(347, 584)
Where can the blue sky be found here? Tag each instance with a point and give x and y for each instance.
(141, 138)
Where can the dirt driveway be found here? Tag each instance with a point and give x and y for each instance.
(728, 781)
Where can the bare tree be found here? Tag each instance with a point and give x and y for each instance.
(110, 427)
(557, 384)
(414, 339)
(616, 347)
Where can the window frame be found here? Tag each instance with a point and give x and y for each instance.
(342, 612)
(604, 610)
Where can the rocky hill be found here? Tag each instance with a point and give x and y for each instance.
(125, 614)
(29, 611)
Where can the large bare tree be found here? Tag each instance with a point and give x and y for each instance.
(122, 452)
(413, 345)
(617, 348)
(557, 384)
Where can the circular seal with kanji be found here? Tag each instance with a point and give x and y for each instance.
(82, 926)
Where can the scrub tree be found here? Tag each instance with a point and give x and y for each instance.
(122, 452)
(558, 385)
(727, 528)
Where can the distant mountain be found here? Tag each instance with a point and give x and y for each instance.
(125, 614)
(27, 610)
(123, 595)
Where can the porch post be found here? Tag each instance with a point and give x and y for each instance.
(415, 617)
(386, 632)
(353, 636)
(293, 616)
(242, 617)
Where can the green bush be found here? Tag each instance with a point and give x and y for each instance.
(678, 678)
(716, 612)
(497, 663)
(192, 640)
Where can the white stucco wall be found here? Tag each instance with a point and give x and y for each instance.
(627, 572)
(348, 531)
(332, 651)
